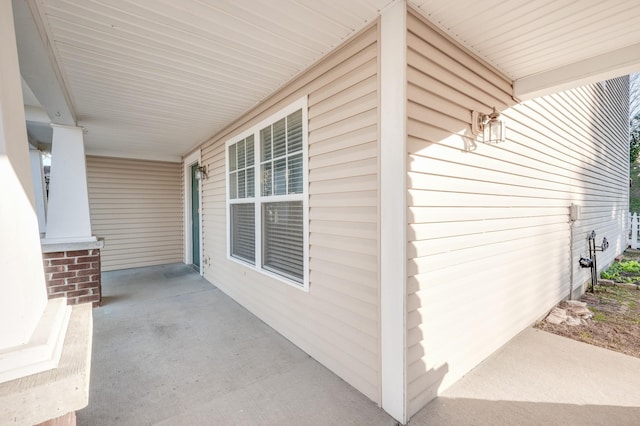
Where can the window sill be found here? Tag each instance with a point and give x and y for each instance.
(299, 286)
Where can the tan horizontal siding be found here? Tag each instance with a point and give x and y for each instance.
(136, 207)
(336, 322)
(488, 233)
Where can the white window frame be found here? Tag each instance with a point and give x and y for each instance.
(259, 199)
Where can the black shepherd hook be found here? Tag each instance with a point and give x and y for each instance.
(591, 262)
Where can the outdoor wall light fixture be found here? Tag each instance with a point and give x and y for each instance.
(201, 173)
(491, 127)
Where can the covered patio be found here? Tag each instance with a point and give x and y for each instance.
(170, 348)
(148, 96)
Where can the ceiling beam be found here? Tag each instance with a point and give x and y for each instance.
(36, 114)
(38, 67)
(598, 68)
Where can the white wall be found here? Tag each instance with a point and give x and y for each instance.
(336, 322)
(489, 231)
(136, 206)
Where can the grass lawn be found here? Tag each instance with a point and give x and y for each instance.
(615, 324)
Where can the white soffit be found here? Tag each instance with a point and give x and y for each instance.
(153, 78)
(545, 45)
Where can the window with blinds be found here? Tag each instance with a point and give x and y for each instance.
(241, 192)
(281, 156)
(283, 239)
(241, 169)
(268, 210)
(243, 232)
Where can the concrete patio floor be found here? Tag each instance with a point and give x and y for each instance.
(539, 378)
(170, 348)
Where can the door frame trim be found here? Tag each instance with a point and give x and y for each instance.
(188, 162)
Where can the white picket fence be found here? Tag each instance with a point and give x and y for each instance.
(633, 230)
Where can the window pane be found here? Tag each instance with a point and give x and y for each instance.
(249, 148)
(243, 235)
(233, 185)
(280, 177)
(241, 155)
(283, 239)
(233, 162)
(267, 179)
(294, 174)
(241, 184)
(294, 132)
(250, 182)
(265, 142)
(279, 139)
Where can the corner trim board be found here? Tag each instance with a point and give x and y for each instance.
(393, 252)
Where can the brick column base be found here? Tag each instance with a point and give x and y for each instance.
(74, 274)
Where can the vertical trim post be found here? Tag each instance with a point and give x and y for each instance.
(393, 217)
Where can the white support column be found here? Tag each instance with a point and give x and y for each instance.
(393, 216)
(39, 188)
(31, 328)
(68, 219)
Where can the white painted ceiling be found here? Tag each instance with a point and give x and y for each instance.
(522, 38)
(154, 78)
(545, 45)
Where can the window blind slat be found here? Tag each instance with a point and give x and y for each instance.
(233, 160)
(294, 172)
(267, 179)
(243, 241)
(279, 138)
(280, 177)
(265, 142)
(283, 238)
(294, 132)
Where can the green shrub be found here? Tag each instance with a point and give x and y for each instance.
(620, 271)
(631, 266)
